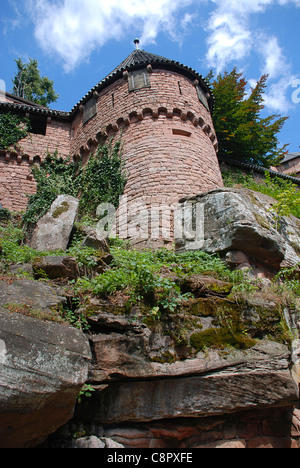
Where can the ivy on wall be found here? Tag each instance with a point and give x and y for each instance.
(12, 129)
(100, 180)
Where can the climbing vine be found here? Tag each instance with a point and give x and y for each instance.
(12, 129)
(100, 180)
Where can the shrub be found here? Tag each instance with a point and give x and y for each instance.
(148, 277)
(284, 191)
(100, 180)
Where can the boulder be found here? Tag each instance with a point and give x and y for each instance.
(239, 220)
(53, 230)
(56, 267)
(43, 366)
(88, 443)
(94, 238)
(201, 285)
(32, 294)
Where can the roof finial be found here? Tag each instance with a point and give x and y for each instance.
(136, 41)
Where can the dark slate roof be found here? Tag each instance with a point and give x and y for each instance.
(16, 103)
(139, 58)
(259, 169)
(289, 157)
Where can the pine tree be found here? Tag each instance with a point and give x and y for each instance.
(28, 84)
(242, 133)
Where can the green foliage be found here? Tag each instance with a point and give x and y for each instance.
(103, 179)
(12, 250)
(242, 133)
(100, 180)
(289, 281)
(75, 318)
(284, 191)
(28, 84)
(55, 176)
(85, 392)
(12, 129)
(146, 277)
(4, 214)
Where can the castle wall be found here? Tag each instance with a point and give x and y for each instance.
(291, 167)
(169, 142)
(15, 182)
(57, 138)
(16, 163)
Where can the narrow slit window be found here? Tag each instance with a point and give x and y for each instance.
(178, 131)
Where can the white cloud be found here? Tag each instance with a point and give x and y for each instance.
(274, 60)
(232, 40)
(74, 28)
(229, 40)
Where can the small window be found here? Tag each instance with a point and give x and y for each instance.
(139, 79)
(202, 97)
(90, 109)
(38, 125)
(178, 131)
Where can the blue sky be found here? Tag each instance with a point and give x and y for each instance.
(78, 42)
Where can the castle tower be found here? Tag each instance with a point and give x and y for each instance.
(161, 110)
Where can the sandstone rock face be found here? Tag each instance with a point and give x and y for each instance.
(43, 366)
(56, 267)
(240, 220)
(53, 230)
(151, 393)
(207, 385)
(30, 293)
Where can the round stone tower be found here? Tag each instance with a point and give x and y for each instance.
(161, 110)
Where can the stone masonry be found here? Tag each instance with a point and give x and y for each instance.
(165, 124)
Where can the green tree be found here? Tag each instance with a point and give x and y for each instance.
(242, 133)
(29, 84)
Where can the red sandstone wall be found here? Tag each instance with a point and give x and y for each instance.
(290, 167)
(57, 138)
(15, 184)
(118, 108)
(16, 165)
(169, 141)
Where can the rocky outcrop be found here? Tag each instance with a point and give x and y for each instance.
(228, 221)
(53, 230)
(43, 366)
(31, 294)
(243, 382)
(221, 371)
(156, 389)
(56, 267)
